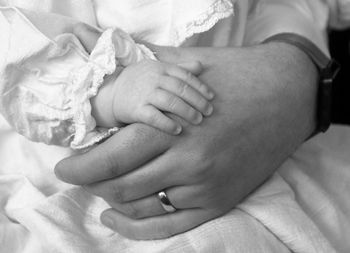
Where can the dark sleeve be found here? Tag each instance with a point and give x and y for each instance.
(340, 50)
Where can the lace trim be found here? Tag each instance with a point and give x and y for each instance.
(219, 10)
(96, 136)
(85, 83)
(114, 48)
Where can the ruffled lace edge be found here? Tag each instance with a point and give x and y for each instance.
(113, 48)
(85, 83)
(217, 11)
(96, 136)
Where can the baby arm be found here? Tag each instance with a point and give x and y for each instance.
(46, 86)
(144, 91)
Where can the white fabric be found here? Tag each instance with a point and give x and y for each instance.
(296, 210)
(46, 85)
(303, 208)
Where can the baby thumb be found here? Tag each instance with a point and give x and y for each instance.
(195, 67)
(87, 35)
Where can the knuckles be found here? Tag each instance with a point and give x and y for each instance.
(189, 77)
(172, 102)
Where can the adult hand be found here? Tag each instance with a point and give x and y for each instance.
(264, 109)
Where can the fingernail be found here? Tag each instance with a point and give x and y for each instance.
(211, 95)
(178, 130)
(107, 221)
(198, 119)
(209, 110)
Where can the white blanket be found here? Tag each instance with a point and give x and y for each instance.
(302, 208)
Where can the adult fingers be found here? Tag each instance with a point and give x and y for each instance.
(148, 179)
(128, 149)
(181, 197)
(87, 35)
(139, 209)
(157, 227)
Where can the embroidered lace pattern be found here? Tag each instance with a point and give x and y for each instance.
(217, 11)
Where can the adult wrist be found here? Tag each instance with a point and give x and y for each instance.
(294, 90)
(327, 69)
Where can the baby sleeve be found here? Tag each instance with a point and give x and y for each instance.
(46, 82)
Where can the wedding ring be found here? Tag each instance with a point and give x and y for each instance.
(165, 202)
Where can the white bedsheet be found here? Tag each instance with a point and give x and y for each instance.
(303, 208)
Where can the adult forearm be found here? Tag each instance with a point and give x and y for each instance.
(295, 86)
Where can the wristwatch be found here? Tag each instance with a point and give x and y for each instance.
(328, 69)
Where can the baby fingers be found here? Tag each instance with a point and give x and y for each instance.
(184, 73)
(153, 117)
(169, 102)
(188, 94)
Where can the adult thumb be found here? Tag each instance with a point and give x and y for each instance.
(87, 35)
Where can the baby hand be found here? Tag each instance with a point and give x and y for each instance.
(143, 91)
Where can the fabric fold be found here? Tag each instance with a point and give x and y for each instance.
(46, 87)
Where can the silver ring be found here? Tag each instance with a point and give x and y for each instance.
(165, 202)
